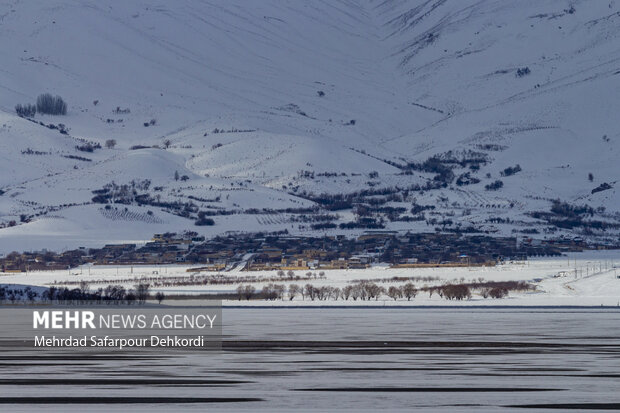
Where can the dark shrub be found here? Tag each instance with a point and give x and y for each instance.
(523, 71)
(203, 220)
(602, 187)
(456, 292)
(511, 170)
(498, 292)
(88, 147)
(324, 225)
(494, 186)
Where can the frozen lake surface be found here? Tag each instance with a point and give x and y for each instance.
(455, 359)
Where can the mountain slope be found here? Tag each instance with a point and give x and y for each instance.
(278, 105)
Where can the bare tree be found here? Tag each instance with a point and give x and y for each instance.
(394, 293)
(26, 111)
(310, 291)
(241, 292)
(380, 292)
(31, 294)
(409, 291)
(323, 292)
(159, 297)
(249, 292)
(372, 290)
(293, 290)
(347, 291)
(268, 292)
(336, 293)
(279, 289)
(84, 286)
(142, 292)
(51, 105)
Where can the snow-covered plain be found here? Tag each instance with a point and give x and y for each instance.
(578, 279)
(419, 78)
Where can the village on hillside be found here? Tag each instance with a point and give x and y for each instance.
(279, 251)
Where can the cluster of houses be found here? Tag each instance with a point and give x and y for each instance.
(398, 250)
(282, 252)
(39, 261)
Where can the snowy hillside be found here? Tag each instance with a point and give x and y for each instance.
(314, 117)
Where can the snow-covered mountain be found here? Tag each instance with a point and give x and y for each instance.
(273, 115)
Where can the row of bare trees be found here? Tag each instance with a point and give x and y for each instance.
(14, 295)
(205, 279)
(360, 291)
(46, 103)
(368, 290)
(112, 294)
(486, 289)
